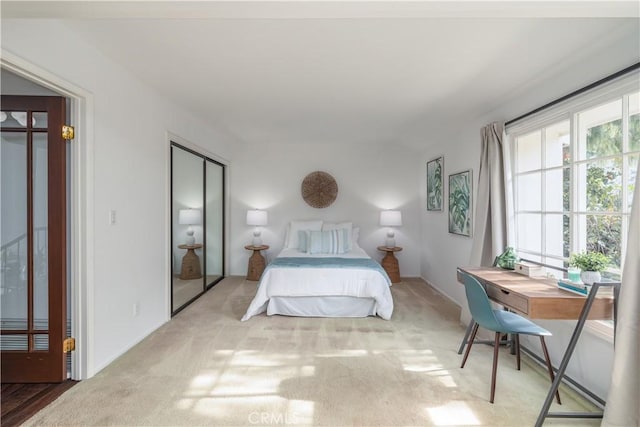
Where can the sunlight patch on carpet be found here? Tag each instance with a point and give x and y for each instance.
(444, 377)
(228, 407)
(307, 371)
(252, 383)
(345, 353)
(419, 361)
(203, 382)
(300, 412)
(254, 358)
(184, 404)
(422, 367)
(453, 414)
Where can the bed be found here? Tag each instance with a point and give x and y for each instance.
(322, 283)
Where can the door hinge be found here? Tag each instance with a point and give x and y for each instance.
(68, 132)
(68, 345)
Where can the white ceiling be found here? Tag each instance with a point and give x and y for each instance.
(342, 72)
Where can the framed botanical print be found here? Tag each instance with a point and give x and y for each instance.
(460, 203)
(435, 169)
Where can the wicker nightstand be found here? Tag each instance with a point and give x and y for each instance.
(190, 263)
(390, 262)
(256, 262)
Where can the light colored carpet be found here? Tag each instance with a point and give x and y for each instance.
(185, 290)
(207, 368)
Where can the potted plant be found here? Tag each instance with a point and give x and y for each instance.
(591, 264)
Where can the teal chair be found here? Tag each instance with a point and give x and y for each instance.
(501, 322)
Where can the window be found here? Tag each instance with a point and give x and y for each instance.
(574, 170)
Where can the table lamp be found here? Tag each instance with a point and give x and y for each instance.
(190, 217)
(257, 218)
(390, 219)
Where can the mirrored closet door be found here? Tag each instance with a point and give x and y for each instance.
(197, 225)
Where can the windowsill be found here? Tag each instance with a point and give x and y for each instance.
(601, 329)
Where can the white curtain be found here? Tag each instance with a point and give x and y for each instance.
(491, 225)
(623, 402)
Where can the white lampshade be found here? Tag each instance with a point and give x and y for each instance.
(391, 218)
(256, 217)
(189, 217)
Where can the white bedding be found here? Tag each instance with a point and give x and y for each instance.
(290, 283)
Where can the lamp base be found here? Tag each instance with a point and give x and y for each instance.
(257, 239)
(190, 240)
(390, 242)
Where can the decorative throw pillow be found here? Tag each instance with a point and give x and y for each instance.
(341, 226)
(303, 240)
(328, 242)
(295, 226)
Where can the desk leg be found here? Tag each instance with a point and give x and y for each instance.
(466, 336)
(544, 412)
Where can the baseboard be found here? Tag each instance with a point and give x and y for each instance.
(439, 289)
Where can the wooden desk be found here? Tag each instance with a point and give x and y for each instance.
(540, 298)
(536, 298)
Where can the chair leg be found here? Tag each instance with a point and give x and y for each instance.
(517, 342)
(469, 344)
(549, 367)
(496, 347)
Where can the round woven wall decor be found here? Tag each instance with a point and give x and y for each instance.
(319, 189)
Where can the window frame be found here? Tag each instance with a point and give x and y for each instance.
(568, 110)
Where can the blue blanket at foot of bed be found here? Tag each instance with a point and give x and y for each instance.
(328, 262)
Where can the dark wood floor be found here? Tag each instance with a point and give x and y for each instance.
(20, 401)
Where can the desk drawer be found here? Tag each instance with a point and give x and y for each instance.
(509, 299)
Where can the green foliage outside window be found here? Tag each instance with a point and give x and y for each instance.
(604, 186)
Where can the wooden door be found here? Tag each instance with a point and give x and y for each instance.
(33, 234)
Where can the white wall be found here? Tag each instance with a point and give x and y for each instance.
(130, 175)
(591, 366)
(443, 251)
(370, 178)
(11, 84)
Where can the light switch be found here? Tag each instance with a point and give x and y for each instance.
(112, 217)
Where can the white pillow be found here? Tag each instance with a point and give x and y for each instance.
(336, 226)
(355, 236)
(295, 226)
(341, 226)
